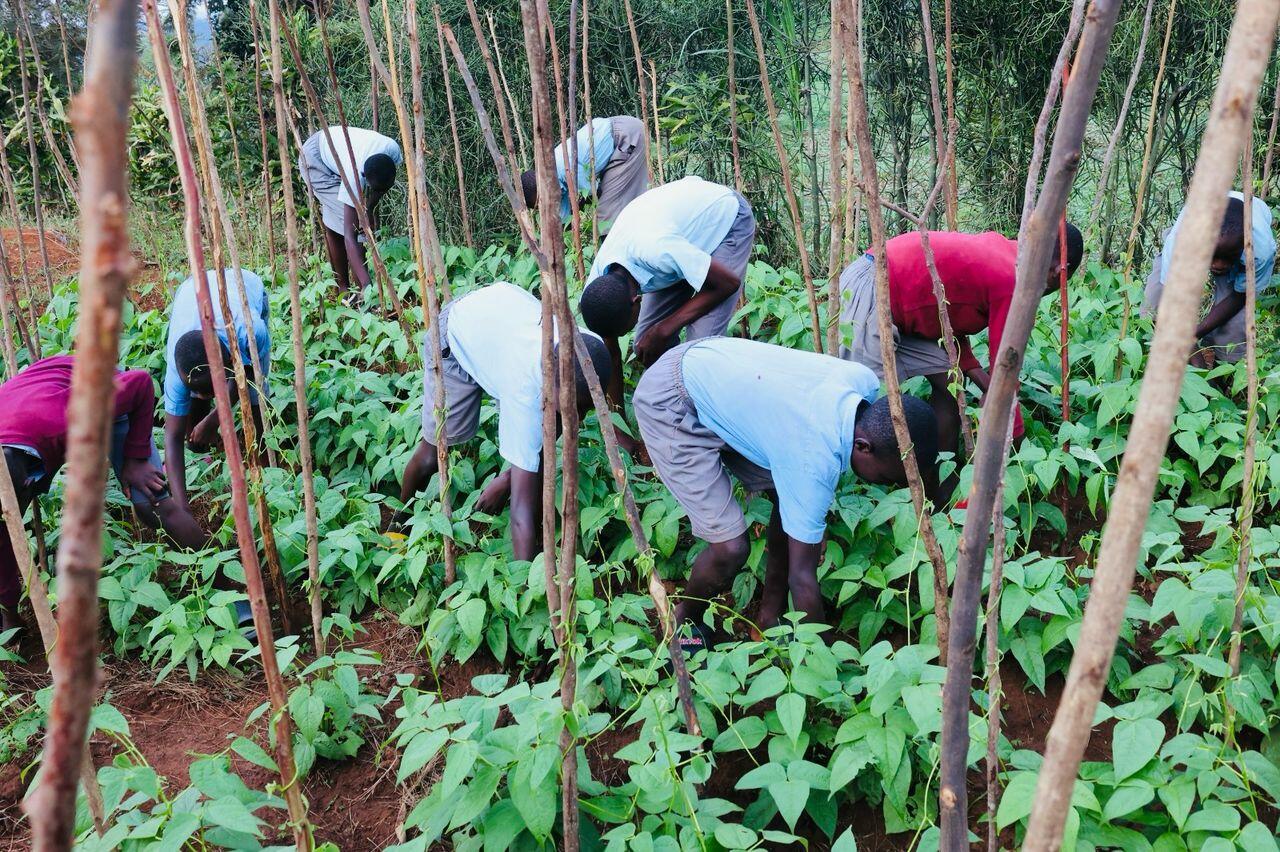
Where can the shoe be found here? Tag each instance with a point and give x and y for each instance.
(244, 616)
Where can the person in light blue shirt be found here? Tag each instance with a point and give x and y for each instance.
(190, 417)
(1222, 330)
(784, 422)
(612, 167)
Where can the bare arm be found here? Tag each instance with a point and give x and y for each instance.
(175, 456)
(1220, 314)
(526, 512)
(719, 285)
(355, 250)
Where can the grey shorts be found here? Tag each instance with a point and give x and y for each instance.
(693, 461)
(860, 329)
(462, 394)
(1227, 340)
(324, 184)
(626, 175)
(734, 252)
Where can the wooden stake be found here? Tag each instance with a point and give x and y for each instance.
(835, 256)
(33, 159)
(1229, 123)
(793, 207)
(226, 426)
(496, 85)
(940, 143)
(657, 128)
(953, 183)
(640, 87)
(1035, 245)
(453, 129)
(1271, 138)
(731, 52)
(100, 118)
(11, 198)
(511, 102)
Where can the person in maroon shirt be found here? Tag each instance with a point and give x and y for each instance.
(33, 433)
(978, 273)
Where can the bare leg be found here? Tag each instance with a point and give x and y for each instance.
(180, 524)
(947, 412)
(422, 466)
(337, 250)
(712, 573)
(773, 600)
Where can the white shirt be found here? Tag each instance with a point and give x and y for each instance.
(365, 143)
(667, 235)
(495, 333)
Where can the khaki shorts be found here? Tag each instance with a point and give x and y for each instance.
(734, 252)
(916, 356)
(693, 462)
(626, 175)
(324, 184)
(462, 394)
(1226, 341)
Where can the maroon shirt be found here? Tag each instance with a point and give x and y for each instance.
(33, 410)
(978, 273)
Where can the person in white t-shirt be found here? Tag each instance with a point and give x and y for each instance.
(363, 169)
(490, 342)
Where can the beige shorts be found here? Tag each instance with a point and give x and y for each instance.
(693, 461)
(860, 329)
(462, 394)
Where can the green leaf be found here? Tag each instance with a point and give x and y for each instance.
(421, 749)
(746, 733)
(847, 762)
(733, 836)
(790, 708)
(457, 765)
(535, 802)
(230, 813)
(846, 842)
(1211, 666)
(1214, 816)
(1178, 796)
(790, 797)
(471, 619)
(1128, 798)
(1256, 837)
(766, 684)
(1133, 744)
(1015, 802)
(253, 753)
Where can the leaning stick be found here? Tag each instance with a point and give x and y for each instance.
(28, 334)
(834, 138)
(995, 690)
(730, 51)
(644, 103)
(33, 158)
(11, 197)
(871, 187)
(292, 253)
(657, 128)
(226, 426)
(1230, 120)
(586, 102)
(1244, 559)
(793, 207)
(1104, 175)
(1271, 137)
(953, 190)
(568, 124)
(502, 75)
(267, 207)
(940, 157)
(100, 118)
(495, 84)
(66, 50)
(453, 129)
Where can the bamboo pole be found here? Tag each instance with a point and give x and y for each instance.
(1035, 244)
(453, 129)
(1104, 174)
(835, 259)
(291, 789)
(731, 51)
(871, 187)
(292, 254)
(1244, 559)
(1229, 123)
(644, 104)
(100, 118)
(793, 207)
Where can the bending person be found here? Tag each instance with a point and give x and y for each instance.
(784, 422)
(370, 165)
(612, 167)
(190, 416)
(978, 272)
(1222, 329)
(33, 432)
(490, 342)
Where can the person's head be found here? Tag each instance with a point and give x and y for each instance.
(529, 183)
(876, 456)
(601, 362)
(379, 172)
(193, 365)
(1075, 251)
(610, 303)
(1230, 245)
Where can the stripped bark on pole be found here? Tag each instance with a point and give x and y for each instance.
(100, 118)
(871, 187)
(640, 87)
(453, 130)
(292, 254)
(793, 206)
(282, 723)
(1229, 124)
(1034, 255)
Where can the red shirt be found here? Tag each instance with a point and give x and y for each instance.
(978, 273)
(33, 410)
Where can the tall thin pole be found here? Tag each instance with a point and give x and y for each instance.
(731, 52)
(453, 130)
(640, 87)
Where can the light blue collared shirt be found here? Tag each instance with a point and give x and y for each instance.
(184, 316)
(789, 411)
(599, 132)
(1264, 249)
(667, 235)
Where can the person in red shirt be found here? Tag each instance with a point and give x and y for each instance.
(33, 434)
(978, 273)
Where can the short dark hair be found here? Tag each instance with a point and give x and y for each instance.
(380, 171)
(922, 425)
(606, 303)
(529, 183)
(1075, 249)
(1233, 221)
(192, 363)
(601, 362)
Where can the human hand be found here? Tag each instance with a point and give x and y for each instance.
(651, 345)
(494, 497)
(204, 435)
(140, 476)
